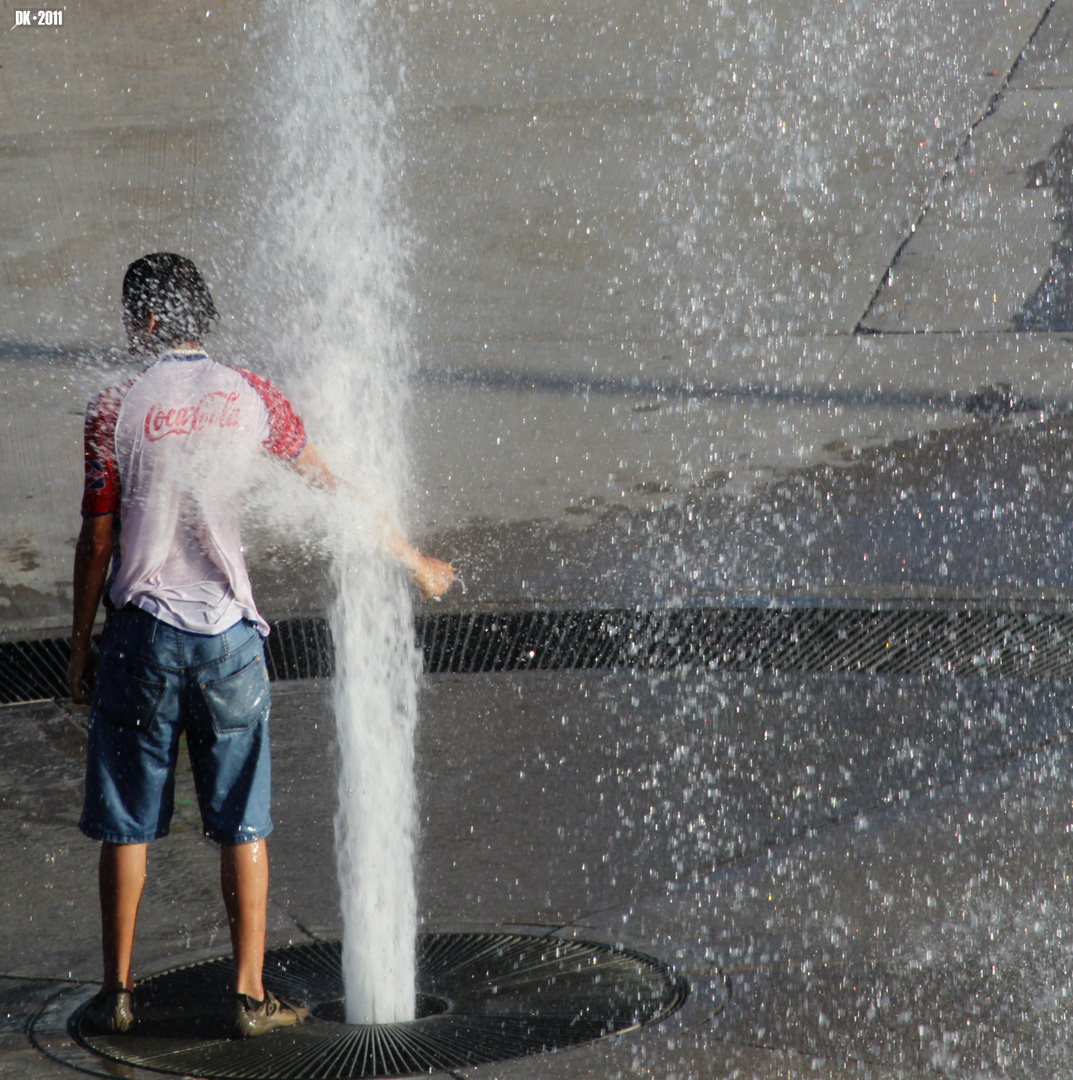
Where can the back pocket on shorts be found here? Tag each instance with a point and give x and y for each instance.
(125, 700)
(238, 701)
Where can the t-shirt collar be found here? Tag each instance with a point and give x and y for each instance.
(184, 354)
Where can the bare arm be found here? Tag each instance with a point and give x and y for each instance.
(432, 576)
(311, 465)
(92, 554)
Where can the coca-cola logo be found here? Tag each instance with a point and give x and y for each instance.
(215, 409)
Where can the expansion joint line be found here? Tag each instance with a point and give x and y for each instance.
(948, 174)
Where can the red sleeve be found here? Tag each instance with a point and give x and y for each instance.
(100, 493)
(286, 432)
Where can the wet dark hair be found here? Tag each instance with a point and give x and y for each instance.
(169, 287)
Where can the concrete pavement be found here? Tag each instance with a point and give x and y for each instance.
(660, 355)
(633, 268)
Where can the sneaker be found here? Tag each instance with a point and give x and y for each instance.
(109, 1013)
(253, 1017)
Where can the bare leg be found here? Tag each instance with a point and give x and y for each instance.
(244, 880)
(121, 876)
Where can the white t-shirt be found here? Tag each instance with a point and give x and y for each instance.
(168, 454)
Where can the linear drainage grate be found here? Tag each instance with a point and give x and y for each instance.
(487, 997)
(871, 640)
(300, 649)
(31, 670)
(892, 641)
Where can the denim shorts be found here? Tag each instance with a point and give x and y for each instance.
(155, 681)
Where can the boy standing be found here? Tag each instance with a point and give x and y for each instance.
(182, 647)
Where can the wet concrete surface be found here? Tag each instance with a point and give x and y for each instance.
(975, 512)
(975, 509)
(879, 867)
(634, 268)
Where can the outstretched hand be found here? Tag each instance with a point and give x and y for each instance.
(432, 576)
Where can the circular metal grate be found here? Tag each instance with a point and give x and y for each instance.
(481, 998)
